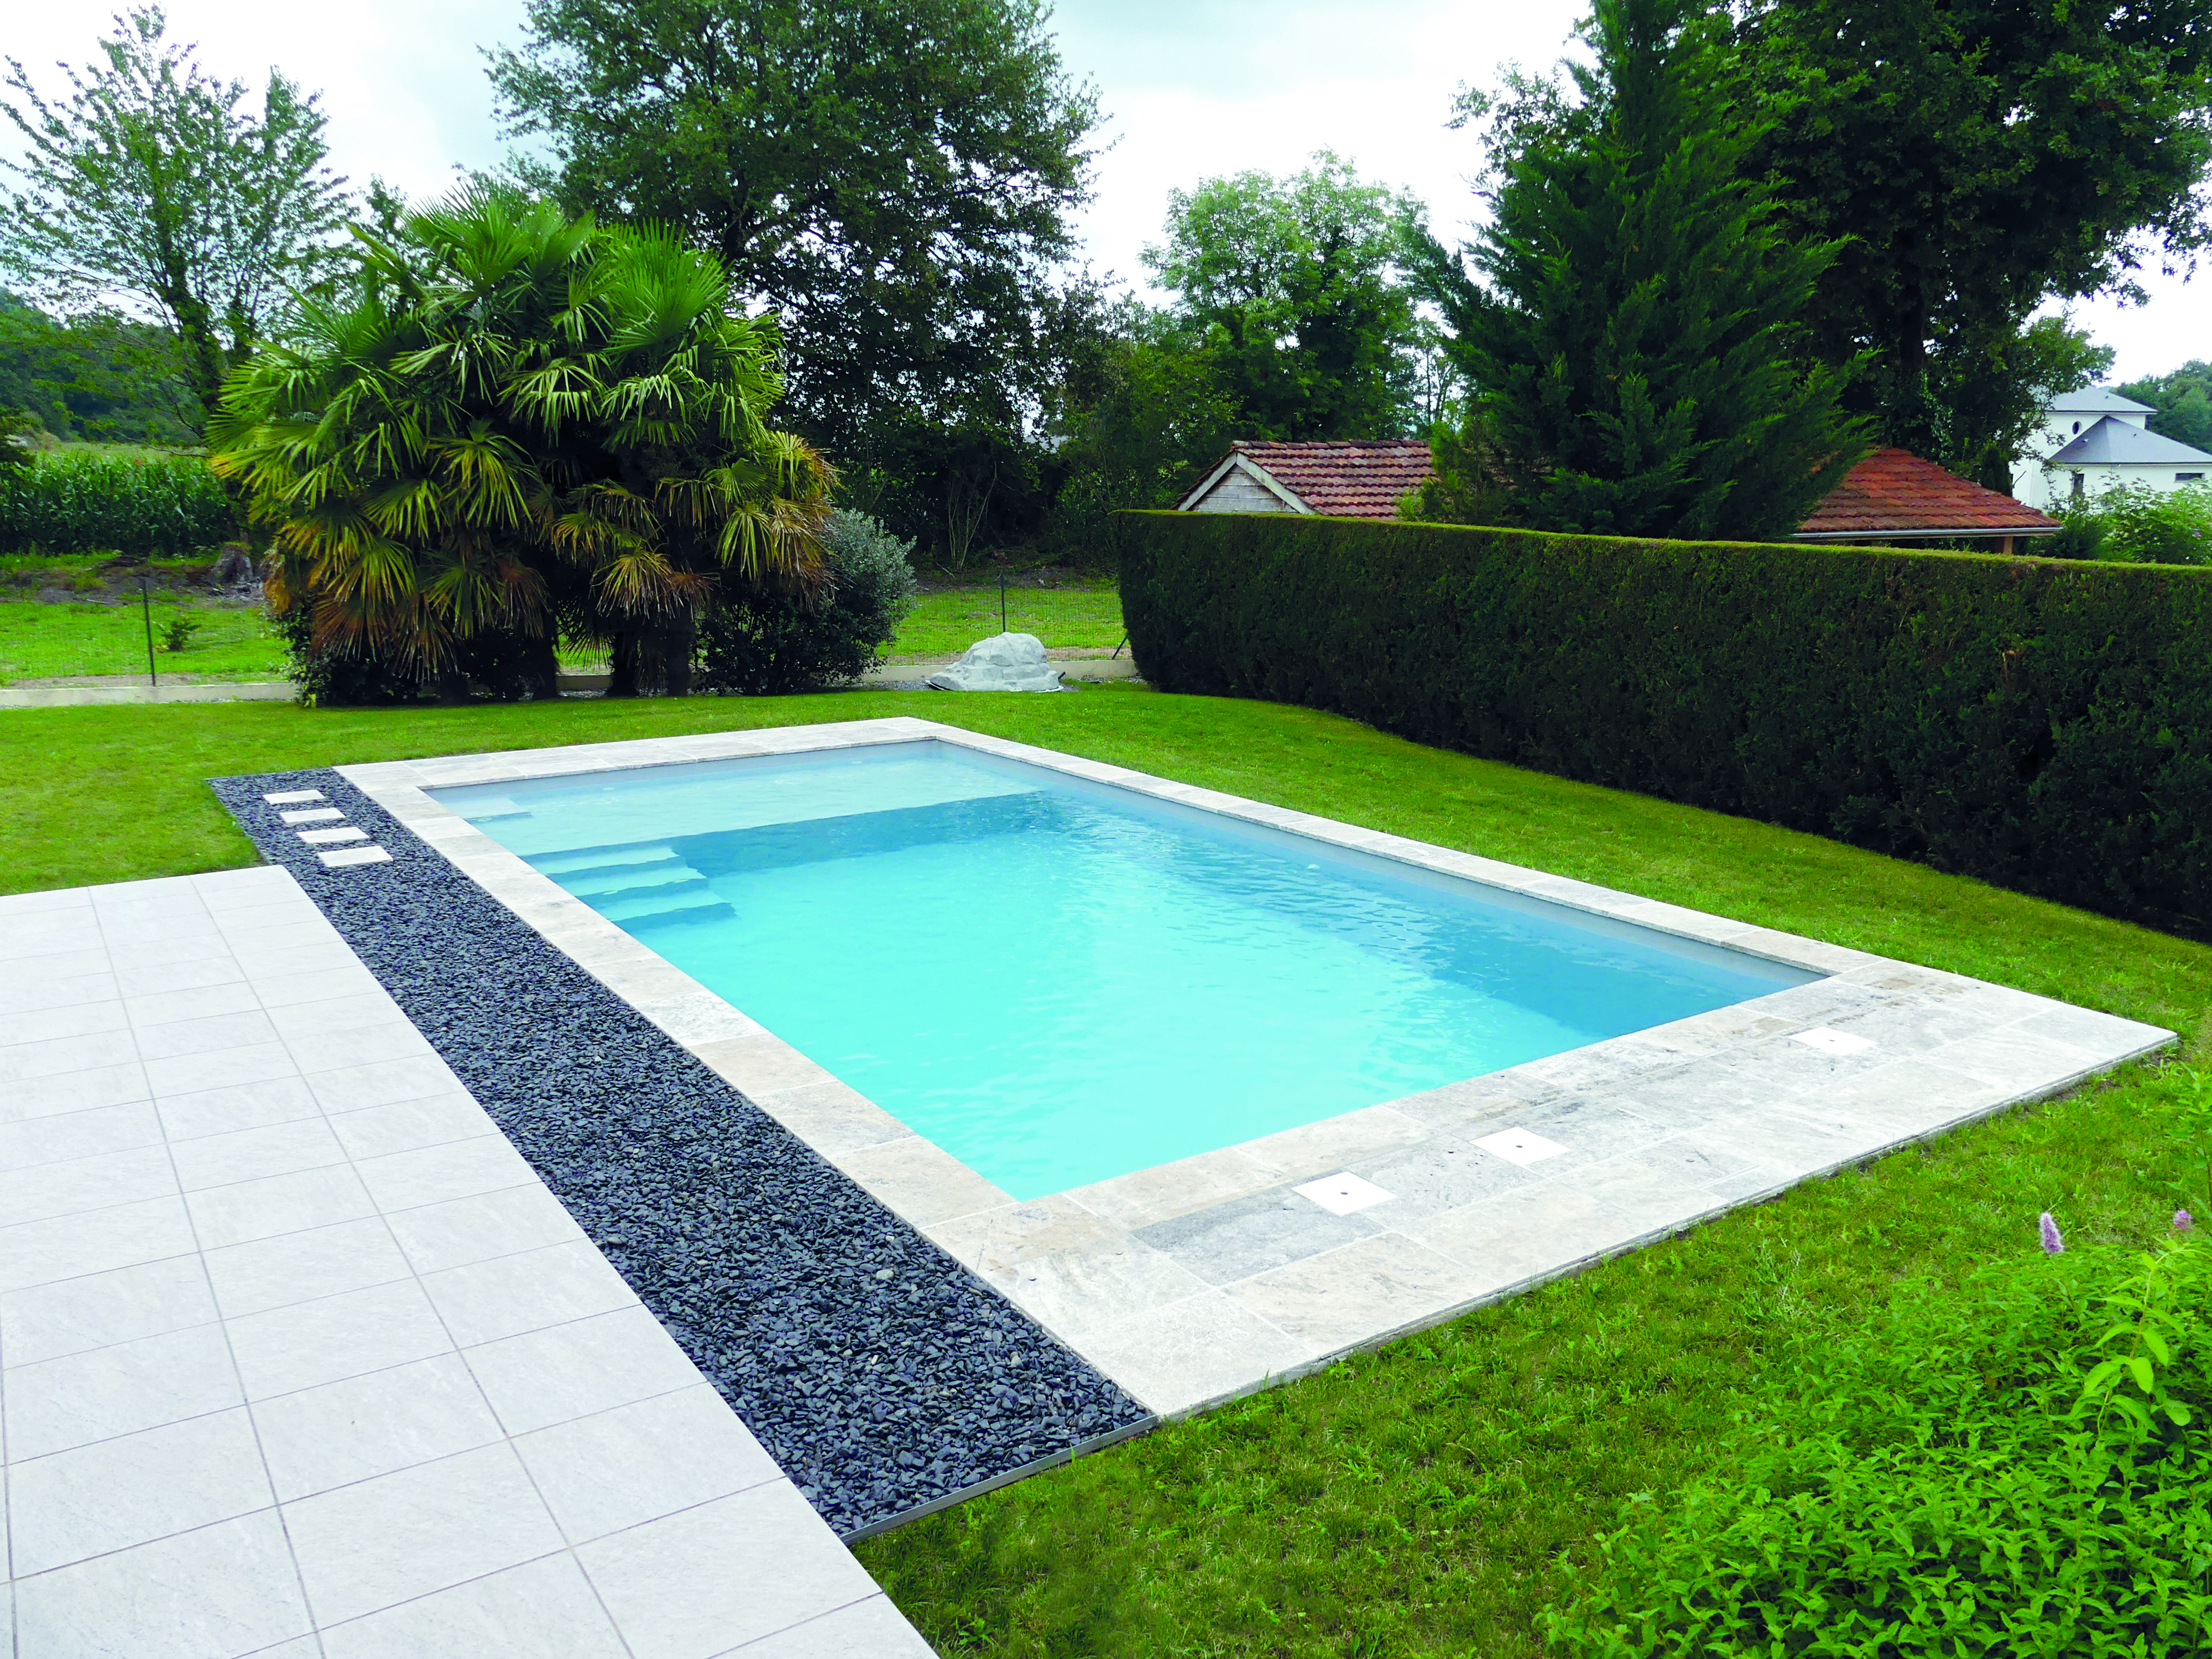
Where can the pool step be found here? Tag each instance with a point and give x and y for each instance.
(687, 903)
(612, 880)
(648, 881)
(591, 860)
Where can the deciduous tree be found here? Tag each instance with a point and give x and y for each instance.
(1976, 158)
(153, 187)
(894, 180)
(1294, 291)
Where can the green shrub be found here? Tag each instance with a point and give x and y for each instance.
(2043, 723)
(766, 642)
(84, 501)
(2024, 1469)
(2081, 536)
(2144, 526)
(501, 664)
(20, 432)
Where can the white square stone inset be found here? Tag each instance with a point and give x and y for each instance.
(312, 815)
(293, 797)
(331, 836)
(1519, 1146)
(1340, 1194)
(1831, 1042)
(346, 855)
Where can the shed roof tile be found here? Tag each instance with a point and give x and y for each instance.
(1894, 492)
(1347, 478)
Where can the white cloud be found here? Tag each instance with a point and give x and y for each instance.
(1263, 86)
(401, 80)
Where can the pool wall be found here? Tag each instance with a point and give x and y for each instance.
(1196, 1281)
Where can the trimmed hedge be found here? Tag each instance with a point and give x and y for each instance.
(2043, 725)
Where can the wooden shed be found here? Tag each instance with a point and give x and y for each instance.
(1347, 478)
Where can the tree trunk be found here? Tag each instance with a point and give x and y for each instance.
(543, 674)
(678, 642)
(622, 665)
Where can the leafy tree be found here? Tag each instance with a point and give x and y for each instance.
(1976, 160)
(2182, 400)
(1630, 348)
(1292, 289)
(1142, 411)
(893, 180)
(150, 186)
(99, 375)
(1996, 396)
(519, 423)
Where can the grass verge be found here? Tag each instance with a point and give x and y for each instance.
(232, 642)
(946, 624)
(1428, 1499)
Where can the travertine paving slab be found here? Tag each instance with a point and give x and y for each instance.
(298, 1357)
(1196, 1281)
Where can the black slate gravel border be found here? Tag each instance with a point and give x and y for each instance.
(881, 1374)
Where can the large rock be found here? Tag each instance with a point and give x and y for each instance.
(1005, 662)
(234, 572)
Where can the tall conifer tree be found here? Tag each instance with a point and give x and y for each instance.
(1629, 345)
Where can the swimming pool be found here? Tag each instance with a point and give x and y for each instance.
(1060, 981)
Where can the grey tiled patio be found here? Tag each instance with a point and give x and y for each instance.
(298, 1357)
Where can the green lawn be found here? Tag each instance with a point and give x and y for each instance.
(43, 641)
(1430, 1499)
(941, 625)
(946, 624)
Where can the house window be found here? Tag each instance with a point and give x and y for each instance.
(2078, 486)
(2189, 477)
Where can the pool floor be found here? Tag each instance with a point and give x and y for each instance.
(1060, 985)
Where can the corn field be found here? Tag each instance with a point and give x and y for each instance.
(81, 502)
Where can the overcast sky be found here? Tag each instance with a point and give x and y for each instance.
(1190, 88)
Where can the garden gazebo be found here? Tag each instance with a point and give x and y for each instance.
(1893, 495)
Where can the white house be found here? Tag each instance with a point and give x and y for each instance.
(2095, 440)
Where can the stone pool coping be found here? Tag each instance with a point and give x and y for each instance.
(1196, 1281)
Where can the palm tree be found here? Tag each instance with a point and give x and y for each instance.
(516, 425)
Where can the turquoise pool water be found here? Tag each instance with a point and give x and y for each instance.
(1059, 982)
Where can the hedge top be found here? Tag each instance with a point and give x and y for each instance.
(2045, 724)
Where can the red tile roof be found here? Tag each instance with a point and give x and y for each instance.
(1894, 492)
(1361, 478)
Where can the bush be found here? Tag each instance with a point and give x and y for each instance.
(1969, 1477)
(2081, 536)
(21, 436)
(2043, 723)
(768, 642)
(2143, 525)
(500, 663)
(85, 502)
